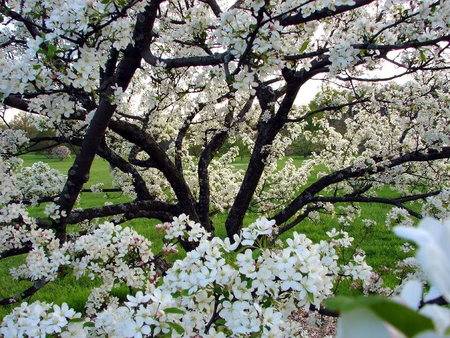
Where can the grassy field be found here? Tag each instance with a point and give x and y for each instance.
(381, 246)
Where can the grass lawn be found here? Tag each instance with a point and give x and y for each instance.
(381, 246)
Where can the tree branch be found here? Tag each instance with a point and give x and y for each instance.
(79, 172)
(162, 162)
(309, 193)
(322, 14)
(18, 251)
(25, 294)
(131, 209)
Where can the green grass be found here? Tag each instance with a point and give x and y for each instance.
(99, 174)
(381, 246)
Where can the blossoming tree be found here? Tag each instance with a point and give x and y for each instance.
(140, 83)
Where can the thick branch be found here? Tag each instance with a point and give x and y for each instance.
(192, 61)
(322, 14)
(33, 28)
(308, 195)
(25, 294)
(214, 6)
(162, 162)
(19, 251)
(367, 199)
(181, 135)
(328, 108)
(132, 208)
(138, 182)
(16, 102)
(267, 132)
(79, 172)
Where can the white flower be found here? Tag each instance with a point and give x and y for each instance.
(162, 297)
(362, 322)
(140, 298)
(411, 294)
(75, 330)
(134, 328)
(433, 238)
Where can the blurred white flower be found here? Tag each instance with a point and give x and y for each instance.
(433, 238)
(362, 322)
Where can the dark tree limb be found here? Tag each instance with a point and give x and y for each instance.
(25, 294)
(398, 202)
(324, 311)
(132, 209)
(181, 135)
(162, 162)
(326, 109)
(267, 131)
(19, 251)
(297, 220)
(308, 195)
(79, 172)
(298, 18)
(214, 7)
(117, 161)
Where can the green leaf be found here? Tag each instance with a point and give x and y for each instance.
(178, 328)
(304, 46)
(403, 318)
(185, 293)
(422, 56)
(310, 297)
(399, 316)
(256, 253)
(226, 295)
(176, 294)
(51, 50)
(267, 302)
(220, 321)
(76, 320)
(174, 310)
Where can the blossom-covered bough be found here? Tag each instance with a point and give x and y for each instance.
(170, 93)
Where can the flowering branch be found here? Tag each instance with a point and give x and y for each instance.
(351, 172)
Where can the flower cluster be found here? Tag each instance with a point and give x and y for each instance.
(265, 284)
(342, 56)
(183, 227)
(12, 140)
(114, 254)
(40, 319)
(220, 288)
(18, 183)
(46, 256)
(40, 180)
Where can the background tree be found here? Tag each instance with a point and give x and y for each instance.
(22, 121)
(142, 83)
(61, 152)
